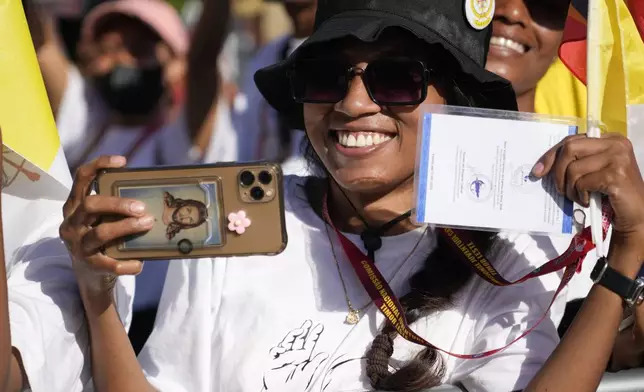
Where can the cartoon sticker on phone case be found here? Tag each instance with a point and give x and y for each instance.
(186, 214)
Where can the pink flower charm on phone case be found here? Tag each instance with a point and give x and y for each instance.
(238, 222)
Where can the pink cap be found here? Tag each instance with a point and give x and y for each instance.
(157, 14)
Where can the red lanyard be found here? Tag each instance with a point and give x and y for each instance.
(387, 302)
(581, 244)
(145, 134)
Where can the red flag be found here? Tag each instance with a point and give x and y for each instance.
(637, 11)
(572, 51)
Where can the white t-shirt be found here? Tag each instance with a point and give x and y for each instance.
(47, 318)
(223, 146)
(82, 115)
(277, 323)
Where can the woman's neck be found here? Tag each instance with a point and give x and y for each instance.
(346, 208)
(525, 101)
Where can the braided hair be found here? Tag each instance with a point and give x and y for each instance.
(430, 292)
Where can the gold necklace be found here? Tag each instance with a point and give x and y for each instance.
(354, 314)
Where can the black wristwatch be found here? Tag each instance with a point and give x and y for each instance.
(631, 291)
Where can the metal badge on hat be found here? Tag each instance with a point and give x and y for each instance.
(479, 13)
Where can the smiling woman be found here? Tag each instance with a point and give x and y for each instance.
(525, 39)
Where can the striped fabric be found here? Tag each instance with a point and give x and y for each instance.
(619, 63)
(34, 166)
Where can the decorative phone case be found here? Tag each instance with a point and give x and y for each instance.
(201, 211)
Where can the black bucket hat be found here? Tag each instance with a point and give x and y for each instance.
(442, 22)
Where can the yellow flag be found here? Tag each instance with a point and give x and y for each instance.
(31, 144)
(616, 70)
(35, 176)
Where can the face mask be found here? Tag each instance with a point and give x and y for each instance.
(131, 90)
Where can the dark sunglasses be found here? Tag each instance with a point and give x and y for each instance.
(389, 81)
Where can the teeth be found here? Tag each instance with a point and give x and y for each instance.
(361, 139)
(508, 43)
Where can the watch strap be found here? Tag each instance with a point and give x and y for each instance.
(617, 283)
(628, 289)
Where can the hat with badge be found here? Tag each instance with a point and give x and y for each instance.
(462, 27)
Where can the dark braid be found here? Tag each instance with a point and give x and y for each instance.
(432, 289)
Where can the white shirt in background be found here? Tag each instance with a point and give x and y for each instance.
(256, 121)
(47, 318)
(224, 140)
(263, 323)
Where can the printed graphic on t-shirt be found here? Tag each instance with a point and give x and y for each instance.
(295, 359)
(329, 383)
(297, 364)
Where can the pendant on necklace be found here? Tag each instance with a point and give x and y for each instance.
(353, 317)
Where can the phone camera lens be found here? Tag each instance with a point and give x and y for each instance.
(265, 177)
(247, 178)
(257, 193)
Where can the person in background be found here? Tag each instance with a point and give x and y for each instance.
(524, 44)
(117, 100)
(524, 49)
(266, 134)
(211, 84)
(209, 80)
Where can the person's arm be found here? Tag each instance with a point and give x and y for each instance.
(580, 166)
(579, 361)
(114, 364)
(203, 79)
(54, 65)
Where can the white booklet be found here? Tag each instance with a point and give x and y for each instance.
(474, 168)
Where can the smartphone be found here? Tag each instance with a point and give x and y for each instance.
(218, 210)
(629, 317)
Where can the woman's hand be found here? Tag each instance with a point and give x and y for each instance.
(85, 236)
(581, 165)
